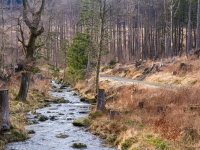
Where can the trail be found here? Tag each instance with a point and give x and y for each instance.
(128, 80)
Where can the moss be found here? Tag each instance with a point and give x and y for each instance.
(35, 70)
(111, 139)
(95, 114)
(18, 135)
(128, 143)
(79, 145)
(130, 122)
(83, 121)
(102, 136)
(127, 112)
(191, 148)
(159, 143)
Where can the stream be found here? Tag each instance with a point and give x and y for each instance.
(63, 114)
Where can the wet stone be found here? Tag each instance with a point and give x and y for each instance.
(71, 109)
(83, 112)
(30, 131)
(75, 94)
(53, 108)
(61, 135)
(83, 121)
(43, 118)
(52, 118)
(61, 114)
(34, 122)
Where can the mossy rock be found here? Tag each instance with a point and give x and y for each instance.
(75, 94)
(83, 121)
(61, 135)
(79, 145)
(43, 118)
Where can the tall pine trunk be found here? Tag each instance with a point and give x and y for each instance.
(188, 44)
(198, 27)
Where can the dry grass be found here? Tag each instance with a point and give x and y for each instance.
(164, 111)
(159, 113)
(165, 114)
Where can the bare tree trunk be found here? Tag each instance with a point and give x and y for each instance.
(101, 99)
(88, 67)
(101, 39)
(188, 44)
(4, 110)
(24, 86)
(33, 25)
(198, 27)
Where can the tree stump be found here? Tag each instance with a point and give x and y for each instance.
(24, 86)
(157, 68)
(101, 99)
(140, 105)
(113, 113)
(4, 110)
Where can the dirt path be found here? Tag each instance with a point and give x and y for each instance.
(127, 80)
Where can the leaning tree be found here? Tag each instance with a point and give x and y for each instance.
(32, 19)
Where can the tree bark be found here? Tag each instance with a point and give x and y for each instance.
(4, 110)
(188, 42)
(198, 27)
(24, 86)
(101, 99)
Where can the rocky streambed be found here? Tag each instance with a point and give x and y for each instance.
(53, 129)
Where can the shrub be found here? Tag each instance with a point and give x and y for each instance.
(35, 70)
(112, 63)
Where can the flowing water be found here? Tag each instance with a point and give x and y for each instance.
(45, 136)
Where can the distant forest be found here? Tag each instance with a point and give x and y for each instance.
(134, 29)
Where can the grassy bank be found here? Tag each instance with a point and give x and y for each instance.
(38, 90)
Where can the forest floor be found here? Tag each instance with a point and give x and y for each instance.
(160, 111)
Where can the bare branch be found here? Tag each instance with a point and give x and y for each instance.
(24, 3)
(25, 17)
(22, 35)
(39, 32)
(39, 46)
(42, 6)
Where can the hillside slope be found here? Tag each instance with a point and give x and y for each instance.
(149, 117)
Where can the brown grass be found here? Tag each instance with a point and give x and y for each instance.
(166, 112)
